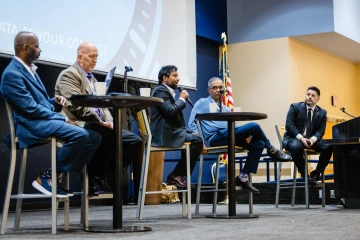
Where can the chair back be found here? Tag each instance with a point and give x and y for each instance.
(144, 129)
(280, 131)
(11, 124)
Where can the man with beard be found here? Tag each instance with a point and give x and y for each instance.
(78, 79)
(168, 126)
(35, 118)
(305, 127)
(250, 135)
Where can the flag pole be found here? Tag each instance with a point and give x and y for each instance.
(224, 100)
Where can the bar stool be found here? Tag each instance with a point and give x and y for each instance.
(55, 199)
(280, 130)
(218, 151)
(144, 128)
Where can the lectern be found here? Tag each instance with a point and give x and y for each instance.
(346, 148)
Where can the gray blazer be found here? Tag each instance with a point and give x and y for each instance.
(72, 81)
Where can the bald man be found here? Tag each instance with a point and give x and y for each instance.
(78, 79)
(35, 118)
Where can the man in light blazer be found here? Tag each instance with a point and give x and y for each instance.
(168, 126)
(78, 79)
(36, 116)
(301, 134)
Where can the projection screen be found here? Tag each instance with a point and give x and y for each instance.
(143, 34)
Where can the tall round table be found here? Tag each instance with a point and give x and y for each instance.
(117, 103)
(231, 117)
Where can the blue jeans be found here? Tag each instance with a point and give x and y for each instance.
(79, 146)
(259, 141)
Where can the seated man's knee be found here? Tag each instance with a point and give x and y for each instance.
(257, 144)
(295, 147)
(254, 125)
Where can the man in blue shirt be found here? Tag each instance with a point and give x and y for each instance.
(250, 135)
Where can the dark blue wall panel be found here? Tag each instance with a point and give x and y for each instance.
(211, 18)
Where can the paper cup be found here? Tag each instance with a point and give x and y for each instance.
(237, 109)
(213, 107)
(145, 92)
(100, 88)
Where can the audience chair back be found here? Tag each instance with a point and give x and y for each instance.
(280, 131)
(145, 131)
(20, 192)
(218, 151)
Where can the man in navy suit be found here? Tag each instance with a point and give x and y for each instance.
(36, 116)
(305, 127)
(168, 125)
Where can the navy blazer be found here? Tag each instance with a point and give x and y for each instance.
(33, 111)
(296, 122)
(167, 121)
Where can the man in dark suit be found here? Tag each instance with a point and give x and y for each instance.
(34, 115)
(168, 125)
(305, 127)
(78, 79)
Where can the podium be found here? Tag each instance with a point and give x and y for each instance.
(346, 155)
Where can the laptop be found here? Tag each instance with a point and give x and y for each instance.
(109, 80)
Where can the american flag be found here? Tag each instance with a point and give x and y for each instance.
(225, 76)
(227, 97)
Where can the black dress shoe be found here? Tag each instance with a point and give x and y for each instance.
(176, 180)
(245, 185)
(102, 186)
(315, 175)
(278, 155)
(92, 187)
(312, 182)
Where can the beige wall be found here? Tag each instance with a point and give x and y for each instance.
(260, 79)
(268, 75)
(333, 75)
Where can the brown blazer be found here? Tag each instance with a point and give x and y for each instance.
(72, 81)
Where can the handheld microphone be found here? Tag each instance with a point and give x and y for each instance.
(343, 110)
(188, 99)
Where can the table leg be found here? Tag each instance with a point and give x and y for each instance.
(231, 179)
(231, 168)
(118, 185)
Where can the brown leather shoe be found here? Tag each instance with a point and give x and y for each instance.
(178, 181)
(278, 155)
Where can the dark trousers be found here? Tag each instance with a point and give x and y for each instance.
(80, 144)
(258, 142)
(196, 147)
(103, 160)
(296, 148)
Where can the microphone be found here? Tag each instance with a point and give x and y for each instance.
(343, 110)
(221, 93)
(188, 99)
(128, 69)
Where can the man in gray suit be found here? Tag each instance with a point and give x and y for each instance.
(168, 125)
(305, 127)
(78, 79)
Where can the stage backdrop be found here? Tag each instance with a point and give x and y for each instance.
(143, 34)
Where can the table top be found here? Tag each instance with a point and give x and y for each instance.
(121, 101)
(231, 116)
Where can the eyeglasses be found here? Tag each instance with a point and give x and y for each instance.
(217, 88)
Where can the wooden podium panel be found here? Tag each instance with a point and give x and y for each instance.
(155, 176)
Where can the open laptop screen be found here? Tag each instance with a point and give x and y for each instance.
(110, 85)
